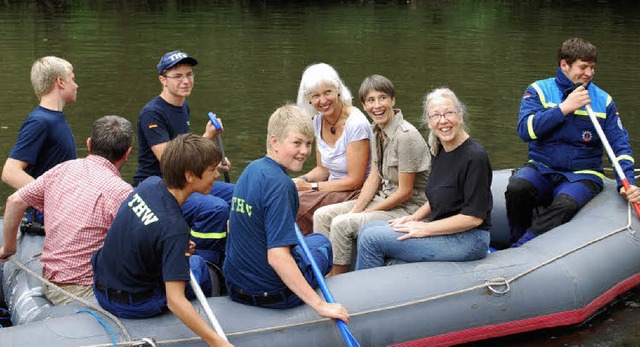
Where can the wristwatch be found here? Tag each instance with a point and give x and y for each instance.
(314, 186)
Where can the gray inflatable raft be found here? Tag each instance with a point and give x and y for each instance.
(560, 278)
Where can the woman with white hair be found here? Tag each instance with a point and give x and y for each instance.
(454, 223)
(342, 133)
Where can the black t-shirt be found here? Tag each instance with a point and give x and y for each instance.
(460, 183)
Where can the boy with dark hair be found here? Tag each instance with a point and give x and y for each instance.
(144, 263)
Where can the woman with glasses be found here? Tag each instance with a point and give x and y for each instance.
(395, 185)
(454, 223)
(343, 137)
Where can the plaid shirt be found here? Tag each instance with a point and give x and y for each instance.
(79, 198)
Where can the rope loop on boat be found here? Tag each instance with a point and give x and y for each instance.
(501, 283)
(74, 297)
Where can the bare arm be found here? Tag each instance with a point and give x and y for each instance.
(357, 161)
(182, 308)
(14, 175)
(282, 262)
(402, 194)
(369, 190)
(12, 216)
(159, 149)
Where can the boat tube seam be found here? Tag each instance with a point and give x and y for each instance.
(75, 297)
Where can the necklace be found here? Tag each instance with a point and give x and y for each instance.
(333, 128)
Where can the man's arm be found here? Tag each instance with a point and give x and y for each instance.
(534, 119)
(14, 175)
(285, 266)
(182, 308)
(12, 217)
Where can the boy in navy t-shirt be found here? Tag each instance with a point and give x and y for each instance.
(265, 265)
(144, 263)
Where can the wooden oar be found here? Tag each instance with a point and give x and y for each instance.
(344, 328)
(612, 156)
(216, 124)
(205, 306)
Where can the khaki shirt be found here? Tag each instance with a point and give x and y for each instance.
(404, 150)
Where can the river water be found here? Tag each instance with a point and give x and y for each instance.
(252, 54)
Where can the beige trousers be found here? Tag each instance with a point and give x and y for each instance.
(342, 227)
(57, 297)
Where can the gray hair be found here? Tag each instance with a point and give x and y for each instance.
(313, 76)
(111, 137)
(441, 93)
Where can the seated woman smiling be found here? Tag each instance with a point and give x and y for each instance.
(342, 134)
(454, 224)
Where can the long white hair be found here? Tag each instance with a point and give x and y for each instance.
(313, 76)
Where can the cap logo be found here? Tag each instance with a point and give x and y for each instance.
(177, 56)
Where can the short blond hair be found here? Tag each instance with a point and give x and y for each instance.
(45, 71)
(286, 119)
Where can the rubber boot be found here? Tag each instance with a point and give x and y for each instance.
(528, 236)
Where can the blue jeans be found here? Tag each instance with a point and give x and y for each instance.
(157, 302)
(377, 241)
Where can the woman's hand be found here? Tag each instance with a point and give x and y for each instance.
(301, 185)
(412, 229)
(402, 220)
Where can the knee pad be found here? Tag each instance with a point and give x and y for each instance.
(520, 188)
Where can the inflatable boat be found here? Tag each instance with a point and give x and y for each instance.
(560, 278)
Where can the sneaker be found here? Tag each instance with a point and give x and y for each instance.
(528, 236)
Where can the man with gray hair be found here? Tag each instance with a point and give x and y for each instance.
(45, 139)
(80, 197)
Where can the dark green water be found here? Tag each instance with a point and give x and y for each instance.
(252, 54)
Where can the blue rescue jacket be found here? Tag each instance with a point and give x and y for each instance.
(570, 145)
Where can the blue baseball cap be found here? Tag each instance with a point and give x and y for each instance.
(174, 58)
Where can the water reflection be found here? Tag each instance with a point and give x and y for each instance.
(252, 54)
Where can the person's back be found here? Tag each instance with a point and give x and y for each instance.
(265, 265)
(146, 259)
(45, 138)
(81, 198)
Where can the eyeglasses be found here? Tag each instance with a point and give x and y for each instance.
(437, 116)
(180, 77)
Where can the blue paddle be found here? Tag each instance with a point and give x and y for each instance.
(216, 124)
(344, 328)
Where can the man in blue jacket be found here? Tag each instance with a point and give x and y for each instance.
(564, 170)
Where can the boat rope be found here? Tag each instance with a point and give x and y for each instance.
(74, 297)
(489, 284)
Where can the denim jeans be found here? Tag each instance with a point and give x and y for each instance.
(377, 241)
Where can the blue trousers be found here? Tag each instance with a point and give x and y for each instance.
(377, 241)
(157, 302)
(540, 202)
(207, 216)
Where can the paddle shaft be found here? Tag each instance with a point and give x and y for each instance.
(612, 156)
(205, 306)
(344, 328)
(224, 158)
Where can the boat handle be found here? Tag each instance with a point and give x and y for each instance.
(498, 282)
